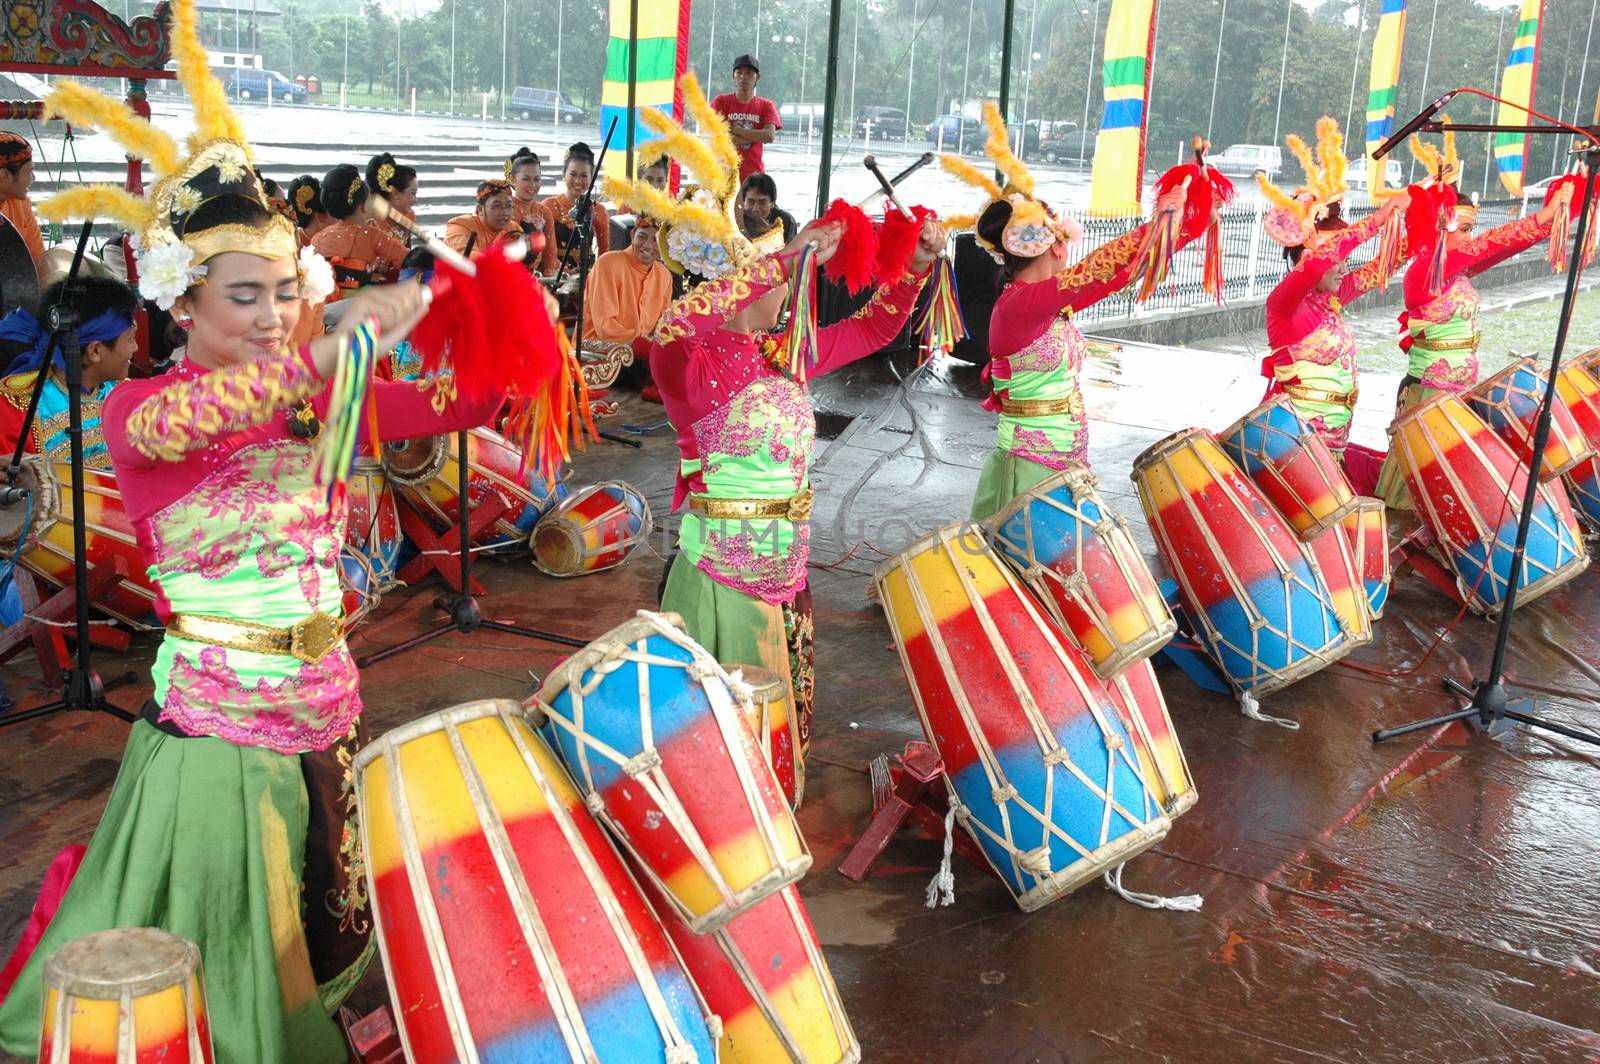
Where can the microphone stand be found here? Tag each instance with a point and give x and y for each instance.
(1489, 707)
(81, 688)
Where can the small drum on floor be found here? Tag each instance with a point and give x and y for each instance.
(1265, 611)
(424, 473)
(765, 976)
(1367, 529)
(776, 726)
(1047, 778)
(1291, 465)
(371, 551)
(1468, 487)
(646, 723)
(1137, 696)
(125, 996)
(594, 530)
(1578, 390)
(1079, 558)
(38, 533)
(508, 925)
(1509, 402)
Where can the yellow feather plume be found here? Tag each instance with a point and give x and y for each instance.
(999, 149)
(1302, 153)
(83, 106)
(1330, 153)
(213, 118)
(1279, 198)
(98, 201)
(1452, 161)
(960, 223)
(716, 127)
(690, 151)
(657, 204)
(958, 166)
(1426, 154)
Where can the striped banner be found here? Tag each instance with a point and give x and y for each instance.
(1116, 182)
(1386, 51)
(663, 37)
(1516, 87)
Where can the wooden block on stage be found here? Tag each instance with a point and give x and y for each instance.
(49, 640)
(440, 552)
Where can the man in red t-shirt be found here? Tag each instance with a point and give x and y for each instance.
(752, 119)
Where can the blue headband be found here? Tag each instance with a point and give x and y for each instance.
(22, 327)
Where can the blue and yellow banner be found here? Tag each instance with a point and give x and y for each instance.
(1387, 48)
(1116, 182)
(1516, 88)
(663, 40)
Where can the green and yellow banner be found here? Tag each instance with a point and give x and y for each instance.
(663, 53)
(1116, 181)
(1516, 88)
(1386, 51)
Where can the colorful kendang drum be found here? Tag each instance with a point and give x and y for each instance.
(763, 974)
(593, 530)
(1137, 696)
(771, 716)
(1468, 487)
(1259, 598)
(1079, 558)
(1578, 390)
(653, 735)
(38, 533)
(1291, 465)
(1043, 772)
(130, 995)
(424, 473)
(1367, 530)
(1509, 402)
(508, 925)
(372, 528)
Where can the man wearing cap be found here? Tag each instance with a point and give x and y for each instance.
(16, 174)
(752, 119)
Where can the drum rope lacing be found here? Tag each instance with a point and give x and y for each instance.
(942, 887)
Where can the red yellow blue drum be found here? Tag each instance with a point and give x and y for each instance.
(1137, 696)
(130, 995)
(372, 541)
(424, 473)
(1043, 772)
(1509, 403)
(508, 925)
(1468, 487)
(776, 727)
(1079, 558)
(593, 530)
(39, 534)
(1578, 390)
(1291, 465)
(647, 724)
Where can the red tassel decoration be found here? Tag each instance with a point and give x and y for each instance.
(853, 263)
(1154, 259)
(1211, 279)
(897, 243)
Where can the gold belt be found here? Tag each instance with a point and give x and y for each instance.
(307, 641)
(1067, 404)
(794, 508)
(1302, 394)
(1469, 344)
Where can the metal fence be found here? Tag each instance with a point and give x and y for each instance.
(1252, 263)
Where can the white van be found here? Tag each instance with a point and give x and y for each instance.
(797, 118)
(1243, 160)
(1394, 175)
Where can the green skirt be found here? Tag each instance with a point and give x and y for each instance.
(1004, 477)
(204, 839)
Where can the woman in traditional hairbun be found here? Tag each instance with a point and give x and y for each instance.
(526, 173)
(397, 184)
(305, 200)
(360, 253)
(577, 174)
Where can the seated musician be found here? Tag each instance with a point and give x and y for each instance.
(396, 183)
(108, 339)
(627, 293)
(577, 174)
(494, 221)
(360, 253)
(16, 174)
(305, 199)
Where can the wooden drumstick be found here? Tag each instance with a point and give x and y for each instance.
(379, 207)
(871, 163)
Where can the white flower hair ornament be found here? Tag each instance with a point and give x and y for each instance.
(316, 276)
(167, 272)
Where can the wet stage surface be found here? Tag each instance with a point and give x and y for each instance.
(1432, 898)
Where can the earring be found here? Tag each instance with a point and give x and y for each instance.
(183, 321)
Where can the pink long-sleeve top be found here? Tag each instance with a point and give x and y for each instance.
(745, 427)
(224, 501)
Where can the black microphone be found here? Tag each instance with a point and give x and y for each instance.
(13, 493)
(1415, 124)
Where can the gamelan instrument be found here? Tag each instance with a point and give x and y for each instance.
(423, 472)
(1578, 390)
(1468, 485)
(594, 529)
(1079, 558)
(646, 722)
(1268, 609)
(1291, 465)
(129, 995)
(1367, 529)
(1042, 770)
(508, 925)
(38, 532)
(1509, 403)
(371, 553)
(1137, 696)
(772, 718)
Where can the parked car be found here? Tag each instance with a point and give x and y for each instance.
(798, 119)
(948, 131)
(1394, 175)
(546, 104)
(1073, 146)
(885, 123)
(248, 83)
(1243, 160)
